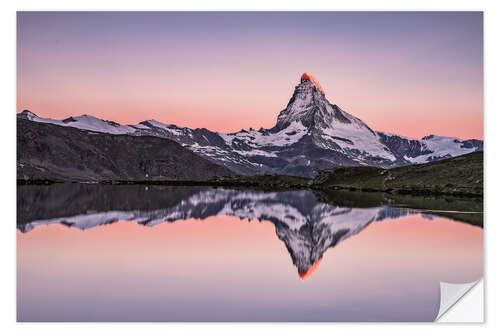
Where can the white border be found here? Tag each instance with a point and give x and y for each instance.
(7, 123)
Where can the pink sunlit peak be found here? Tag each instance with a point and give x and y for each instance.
(310, 77)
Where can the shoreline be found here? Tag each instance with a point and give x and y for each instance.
(254, 184)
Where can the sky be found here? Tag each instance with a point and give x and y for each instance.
(408, 73)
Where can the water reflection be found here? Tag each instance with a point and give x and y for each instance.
(308, 224)
(136, 253)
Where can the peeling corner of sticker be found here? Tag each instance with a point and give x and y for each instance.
(451, 293)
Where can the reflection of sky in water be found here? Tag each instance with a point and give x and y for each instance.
(222, 268)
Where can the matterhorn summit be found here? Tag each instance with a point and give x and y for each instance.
(309, 77)
(329, 126)
(310, 106)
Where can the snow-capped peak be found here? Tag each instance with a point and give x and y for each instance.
(331, 128)
(83, 122)
(27, 114)
(303, 105)
(310, 106)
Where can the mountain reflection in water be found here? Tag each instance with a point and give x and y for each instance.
(308, 227)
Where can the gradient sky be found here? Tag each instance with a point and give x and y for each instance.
(409, 73)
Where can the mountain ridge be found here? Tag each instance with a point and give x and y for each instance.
(48, 151)
(310, 134)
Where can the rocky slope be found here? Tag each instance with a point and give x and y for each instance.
(310, 133)
(47, 151)
(459, 175)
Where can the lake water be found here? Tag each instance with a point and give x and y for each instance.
(138, 253)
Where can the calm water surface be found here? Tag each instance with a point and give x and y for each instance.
(135, 253)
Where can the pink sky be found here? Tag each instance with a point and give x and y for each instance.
(408, 73)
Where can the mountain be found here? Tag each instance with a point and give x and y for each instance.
(307, 226)
(310, 134)
(47, 151)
